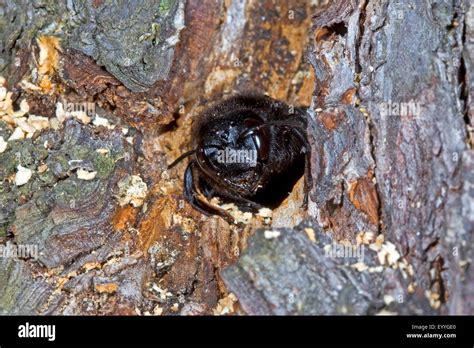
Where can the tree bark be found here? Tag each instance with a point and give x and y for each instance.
(396, 183)
(406, 176)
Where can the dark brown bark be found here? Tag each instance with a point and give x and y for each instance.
(399, 187)
(406, 177)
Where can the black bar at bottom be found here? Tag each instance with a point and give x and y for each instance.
(452, 330)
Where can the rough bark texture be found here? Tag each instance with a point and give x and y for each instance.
(398, 187)
(98, 255)
(406, 177)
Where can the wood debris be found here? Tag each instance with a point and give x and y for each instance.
(434, 298)
(102, 121)
(386, 312)
(388, 255)
(48, 62)
(17, 134)
(157, 310)
(85, 175)
(388, 299)
(310, 233)
(42, 168)
(237, 214)
(365, 238)
(267, 214)
(271, 234)
(226, 305)
(132, 190)
(108, 288)
(3, 145)
(360, 266)
(23, 175)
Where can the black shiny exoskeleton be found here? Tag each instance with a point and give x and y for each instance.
(249, 150)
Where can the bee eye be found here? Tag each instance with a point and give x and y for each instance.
(260, 136)
(262, 143)
(204, 155)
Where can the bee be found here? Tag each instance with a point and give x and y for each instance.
(248, 150)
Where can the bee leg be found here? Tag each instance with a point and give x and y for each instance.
(191, 195)
(242, 201)
(208, 191)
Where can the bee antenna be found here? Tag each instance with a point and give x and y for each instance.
(180, 158)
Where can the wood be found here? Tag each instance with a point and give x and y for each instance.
(407, 178)
(398, 187)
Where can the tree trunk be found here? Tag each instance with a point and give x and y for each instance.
(392, 157)
(387, 85)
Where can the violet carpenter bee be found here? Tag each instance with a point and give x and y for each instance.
(249, 150)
